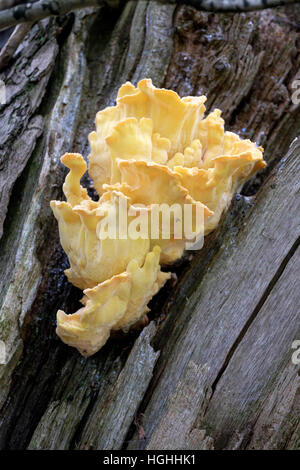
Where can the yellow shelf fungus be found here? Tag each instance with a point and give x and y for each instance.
(116, 303)
(151, 150)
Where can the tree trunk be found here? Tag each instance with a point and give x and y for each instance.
(213, 369)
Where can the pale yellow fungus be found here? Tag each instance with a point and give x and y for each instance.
(151, 149)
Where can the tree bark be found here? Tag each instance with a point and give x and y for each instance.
(213, 369)
(46, 8)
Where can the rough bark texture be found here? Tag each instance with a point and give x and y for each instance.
(213, 369)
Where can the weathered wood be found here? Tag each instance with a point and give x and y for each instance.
(22, 270)
(13, 43)
(107, 427)
(44, 9)
(8, 4)
(245, 64)
(262, 413)
(25, 85)
(220, 311)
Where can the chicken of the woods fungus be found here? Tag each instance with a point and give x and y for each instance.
(151, 149)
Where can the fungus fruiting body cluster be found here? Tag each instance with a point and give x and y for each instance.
(151, 148)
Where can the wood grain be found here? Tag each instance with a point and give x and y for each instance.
(221, 310)
(246, 64)
(256, 399)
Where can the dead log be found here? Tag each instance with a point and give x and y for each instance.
(213, 369)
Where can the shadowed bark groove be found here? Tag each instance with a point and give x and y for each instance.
(214, 365)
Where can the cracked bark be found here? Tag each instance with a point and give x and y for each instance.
(216, 358)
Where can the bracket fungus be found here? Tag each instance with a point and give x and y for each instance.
(152, 149)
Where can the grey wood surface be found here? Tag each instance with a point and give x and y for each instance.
(244, 316)
(213, 369)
